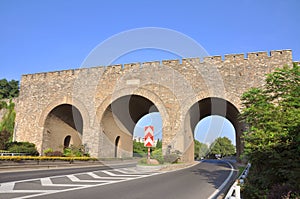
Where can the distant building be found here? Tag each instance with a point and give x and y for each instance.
(142, 140)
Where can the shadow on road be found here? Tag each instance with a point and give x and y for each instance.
(215, 172)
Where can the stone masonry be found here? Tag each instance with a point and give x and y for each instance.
(112, 99)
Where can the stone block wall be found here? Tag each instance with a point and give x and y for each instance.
(173, 86)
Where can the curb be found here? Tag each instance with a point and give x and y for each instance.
(18, 167)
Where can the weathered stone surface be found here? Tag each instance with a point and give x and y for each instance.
(169, 87)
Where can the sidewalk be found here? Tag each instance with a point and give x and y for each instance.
(28, 165)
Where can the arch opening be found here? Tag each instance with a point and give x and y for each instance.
(152, 119)
(120, 119)
(63, 127)
(208, 130)
(117, 146)
(213, 107)
(67, 141)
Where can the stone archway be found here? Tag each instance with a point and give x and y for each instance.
(63, 126)
(118, 122)
(207, 107)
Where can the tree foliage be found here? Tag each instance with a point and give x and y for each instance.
(272, 141)
(9, 89)
(140, 150)
(200, 149)
(222, 146)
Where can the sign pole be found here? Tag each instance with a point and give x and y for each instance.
(148, 159)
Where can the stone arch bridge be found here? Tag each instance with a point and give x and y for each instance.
(99, 106)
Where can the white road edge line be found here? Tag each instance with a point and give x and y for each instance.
(224, 183)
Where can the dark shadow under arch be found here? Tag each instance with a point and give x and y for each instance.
(62, 123)
(215, 106)
(117, 146)
(119, 120)
(67, 141)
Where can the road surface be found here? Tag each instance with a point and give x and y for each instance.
(201, 181)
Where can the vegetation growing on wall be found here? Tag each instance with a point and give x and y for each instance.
(8, 90)
(7, 124)
(272, 141)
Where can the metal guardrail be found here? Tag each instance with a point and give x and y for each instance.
(12, 154)
(235, 190)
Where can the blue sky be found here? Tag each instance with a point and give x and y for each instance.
(40, 36)
(206, 131)
(50, 35)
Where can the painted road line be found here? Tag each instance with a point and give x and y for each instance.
(122, 175)
(7, 186)
(105, 178)
(224, 183)
(48, 182)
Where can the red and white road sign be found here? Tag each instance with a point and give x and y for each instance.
(149, 136)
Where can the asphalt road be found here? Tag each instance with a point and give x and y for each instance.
(198, 182)
(24, 175)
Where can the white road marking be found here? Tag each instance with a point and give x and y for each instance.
(9, 186)
(114, 178)
(121, 171)
(224, 183)
(122, 175)
(31, 191)
(107, 178)
(48, 182)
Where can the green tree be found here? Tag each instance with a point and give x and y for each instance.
(272, 141)
(139, 149)
(9, 89)
(222, 146)
(200, 149)
(158, 144)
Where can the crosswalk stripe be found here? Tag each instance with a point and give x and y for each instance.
(48, 182)
(73, 178)
(107, 178)
(95, 179)
(7, 186)
(125, 175)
